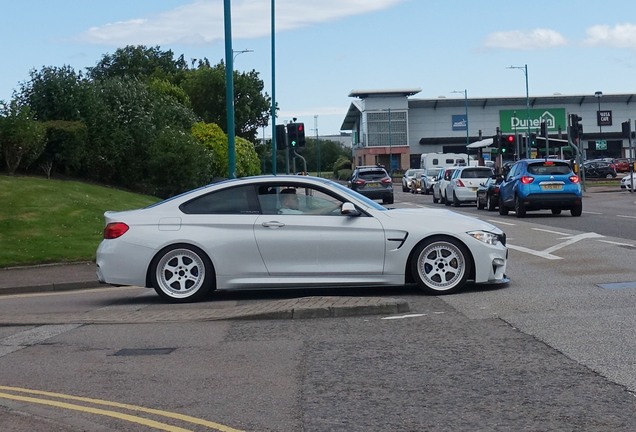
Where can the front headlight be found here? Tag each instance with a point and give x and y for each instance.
(486, 237)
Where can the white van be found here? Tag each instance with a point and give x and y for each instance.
(442, 160)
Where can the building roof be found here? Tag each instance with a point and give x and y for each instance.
(362, 94)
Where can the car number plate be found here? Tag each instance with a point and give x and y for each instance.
(373, 184)
(474, 189)
(551, 187)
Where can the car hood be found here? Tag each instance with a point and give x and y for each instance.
(439, 219)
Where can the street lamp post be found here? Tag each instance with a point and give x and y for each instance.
(599, 95)
(525, 71)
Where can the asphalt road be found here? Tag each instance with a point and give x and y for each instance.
(553, 350)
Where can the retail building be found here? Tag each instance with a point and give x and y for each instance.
(392, 128)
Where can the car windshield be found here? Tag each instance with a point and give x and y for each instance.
(549, 168)
(476, 173)
(434, 173)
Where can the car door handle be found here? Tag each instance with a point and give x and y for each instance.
(273, 224)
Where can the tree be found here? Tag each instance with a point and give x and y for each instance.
(213, 137)
(54, 93)
(140, 62)
(66, 147)
(206, 88)
(21, 137)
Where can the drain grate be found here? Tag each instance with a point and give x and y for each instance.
(144, 351)
(618, 285)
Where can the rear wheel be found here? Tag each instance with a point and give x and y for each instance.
(520, 208)
(441, 265)
(435, 200)
(182, 273)
(577, 210)
(490, 203)
(556, 211)
(455, 200)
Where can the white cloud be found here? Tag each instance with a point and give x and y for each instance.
(619, 36)
(201, 22)
(528, 40)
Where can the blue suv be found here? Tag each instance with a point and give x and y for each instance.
(536, 184)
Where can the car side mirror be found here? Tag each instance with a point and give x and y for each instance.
(348, 209)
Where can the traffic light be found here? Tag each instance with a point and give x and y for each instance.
(301, 134)
(281, 137)
(296, 134)
(533, 139)
(576, 128)
(544, 129)
(508, 144)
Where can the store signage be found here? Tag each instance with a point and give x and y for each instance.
(516, 121)
(460, 122)
(604, 118)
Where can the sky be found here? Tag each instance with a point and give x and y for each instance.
(324, 49)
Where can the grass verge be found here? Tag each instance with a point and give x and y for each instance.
(46, 221)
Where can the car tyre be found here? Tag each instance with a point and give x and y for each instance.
(490, 203)
(556, 211)
(480, 206)
(182, 273)
(387, 200)
(520, 208)
(502, 209)
(441, 265)
(577, 210)
(435, 200)
(456, 202)
(446, 201)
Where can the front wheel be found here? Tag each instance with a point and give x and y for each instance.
(491, 204)
(182, 273)
(441, 265)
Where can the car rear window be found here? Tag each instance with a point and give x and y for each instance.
(372, 175)
(476, 173)
(549, 168)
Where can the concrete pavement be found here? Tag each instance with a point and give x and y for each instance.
(73, 276)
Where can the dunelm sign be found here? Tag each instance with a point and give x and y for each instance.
(512, 121)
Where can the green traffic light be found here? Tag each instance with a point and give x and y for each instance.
(293, 143)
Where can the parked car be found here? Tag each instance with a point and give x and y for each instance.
(626, 182)
(373, 182)
(488, 193)
(599, 169)
(439, 188)
(408, 177)
(231, 235)
(622, 165)
(536, 184)
(428, 179)
(463, 185)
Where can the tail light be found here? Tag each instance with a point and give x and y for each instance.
(114, 230)
(386, 180)
(460, 183)
(359, 182)
(527, 179)
(575, 179)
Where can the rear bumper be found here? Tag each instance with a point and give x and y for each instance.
(550, 201)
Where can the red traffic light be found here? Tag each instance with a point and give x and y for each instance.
(510, 138)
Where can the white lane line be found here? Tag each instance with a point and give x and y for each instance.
(626, 216)
(500, 222)
(551, 232)
(540, 254)
(33, 336)
(403, 316)
(572, 239)
(593, 213)
(617, 243)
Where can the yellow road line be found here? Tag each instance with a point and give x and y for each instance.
(167, 414)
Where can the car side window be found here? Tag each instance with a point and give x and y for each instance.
(295, 200)
(237, 200)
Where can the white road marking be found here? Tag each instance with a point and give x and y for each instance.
(403, 316)
(32, 336)
(547, 253)
(500, 222)
(617, 243)
(534, 252)
(626, 216)
(551, 232)
(593, 213)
